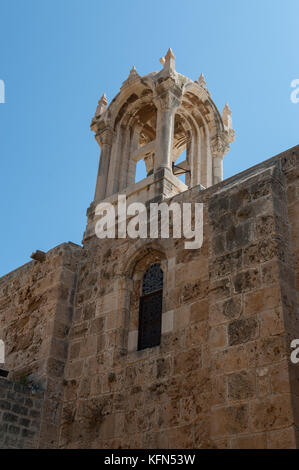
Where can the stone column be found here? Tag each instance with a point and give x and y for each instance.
(113, 175)
(123, 159)
(219, 146)
(167, 101)
(132, 162)
(189, 159)
(217, 168)
(104, 139)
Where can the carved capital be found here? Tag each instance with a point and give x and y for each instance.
(105, 136)
(230, 135)
(168, 96)
(220, 144)
(99, 123)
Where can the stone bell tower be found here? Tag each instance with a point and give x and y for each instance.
(141, 342)
(156, 118)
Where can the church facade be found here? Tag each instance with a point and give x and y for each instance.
(140, 342)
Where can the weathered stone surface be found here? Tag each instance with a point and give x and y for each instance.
(21, 417)
(220, 377)
(242, 331)
(271, 413)
(246, 281)
(241, 385)
(229, 420)
(282, 439)
(255, 441)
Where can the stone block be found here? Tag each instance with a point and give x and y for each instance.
(199, 311)
(229, 420)
(230, 360)
(197, 334)
(242, 331)
(186, 361)
(282, 439)
(167, 322)
(266, 351)
(271, 413)
(246, 281)
(218, 336)
(241, 385)
(252, 441)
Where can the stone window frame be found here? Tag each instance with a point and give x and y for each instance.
(152, 285)
(136, 276)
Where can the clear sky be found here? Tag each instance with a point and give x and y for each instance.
(57, 57)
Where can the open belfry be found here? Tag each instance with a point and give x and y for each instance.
(139, 342)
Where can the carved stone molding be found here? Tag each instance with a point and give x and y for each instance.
(102, 105)
(168, 95)
(220, 144)
(201, 81)
(105, 136)
(149, 162)
(133, 77)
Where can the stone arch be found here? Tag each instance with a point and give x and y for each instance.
(199, 96)
(134, 128)
(139, 124)
(138, 258)
(140, 250)
(140, 87)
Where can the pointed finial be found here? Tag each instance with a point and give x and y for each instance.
(133, 75)
(103, 99)
(202, 81)
(102, 104)
(168, 63)
(169, 55)
(133, 71)
(226, 110)
(227, 121)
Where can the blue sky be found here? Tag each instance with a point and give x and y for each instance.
(57, 57)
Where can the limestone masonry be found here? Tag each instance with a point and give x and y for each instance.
(77, 320)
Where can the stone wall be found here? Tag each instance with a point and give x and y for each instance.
(254, 306)
(221, 376)
(28, 308)
(20, 415)
(35, 316)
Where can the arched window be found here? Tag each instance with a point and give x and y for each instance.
(150, 310)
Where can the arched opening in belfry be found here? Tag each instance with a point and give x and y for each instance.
(143, 151)
(179, 171)
(181, 150)
(141, 172)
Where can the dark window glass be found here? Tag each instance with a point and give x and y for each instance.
(152, 279)
(150, 310)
